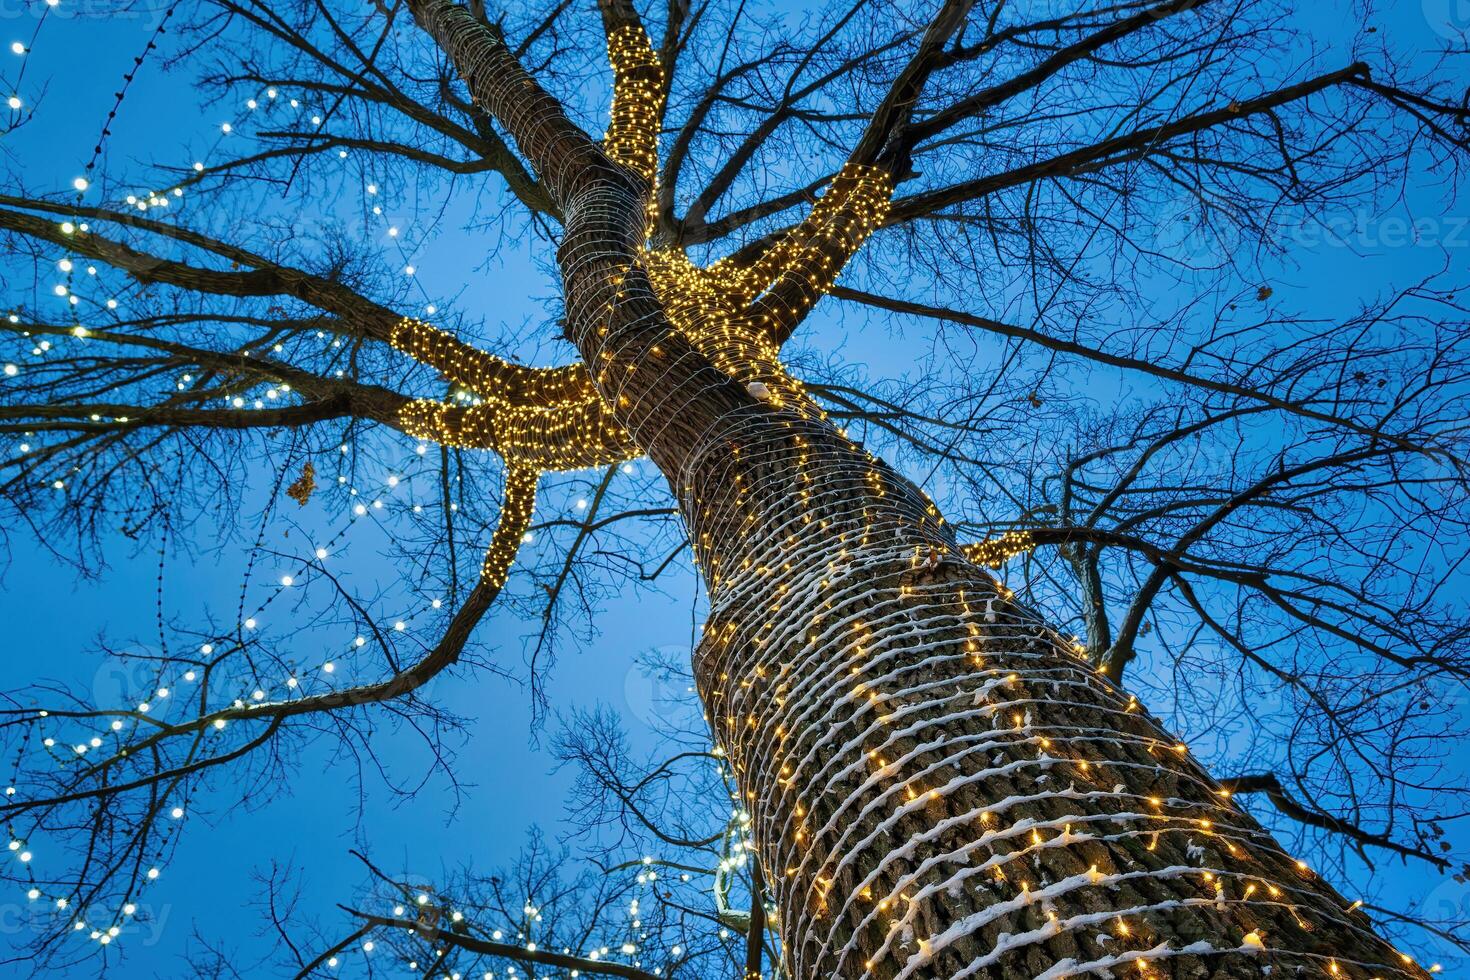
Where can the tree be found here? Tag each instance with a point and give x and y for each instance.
(937, 781)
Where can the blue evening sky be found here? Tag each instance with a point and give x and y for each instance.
(54, 620)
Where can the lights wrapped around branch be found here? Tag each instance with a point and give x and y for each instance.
(800, 268)
(490, 377)
(738, 315)
(550, 419)
(515, 518)
(567, 437)
(637, 102)
(995, 552)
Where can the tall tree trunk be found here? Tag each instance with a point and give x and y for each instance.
(940, 786)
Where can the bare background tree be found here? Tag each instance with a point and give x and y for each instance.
(1245, 505)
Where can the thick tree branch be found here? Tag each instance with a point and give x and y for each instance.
(1270, 785)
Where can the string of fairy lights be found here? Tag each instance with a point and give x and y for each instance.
(14, 101)
(173, 684)
(166, 689)
(815, 678)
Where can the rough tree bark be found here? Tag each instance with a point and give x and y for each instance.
(940, 786)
